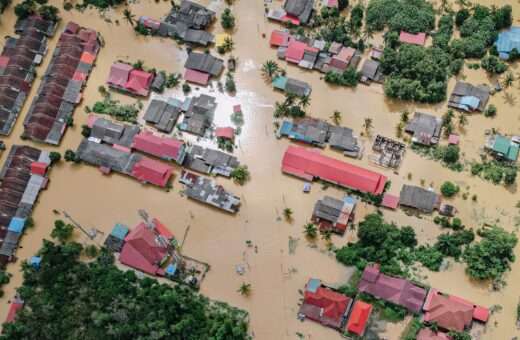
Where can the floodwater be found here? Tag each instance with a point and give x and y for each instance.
(98, 201)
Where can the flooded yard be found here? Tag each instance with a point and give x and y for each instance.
(276, 274)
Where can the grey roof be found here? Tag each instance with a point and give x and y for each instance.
(192, 15)
(158, 81)
(425, 128)
(105, 155)
(208, 160)
(204, 63)
(114, 133)
(208, 191)
(314, 129)
(198, 37)
(342, 138)
(298, 87)
(199, 114)
(328, 208)
(463, 89)
(418, 198)
(10, 243)
(300, 8)
(162, 115)
(370, 68)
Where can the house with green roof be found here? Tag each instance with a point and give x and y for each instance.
(504, 148)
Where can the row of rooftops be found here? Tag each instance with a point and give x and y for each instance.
(17, 62)
(22, 177)
(61, 85)
(125, 78)
(201, 66)
(331, 308)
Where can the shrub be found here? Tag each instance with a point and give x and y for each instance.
(227, 20)
(55, 157)
(449, 189)
(240, 174)
(186, 88)
(490, 111)
(70, 156)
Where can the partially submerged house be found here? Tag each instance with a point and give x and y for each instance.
(395, 290)
(62, 83)
(389, 153)
(162, 115)
(324, 305)
(342, 138)
(227, 133)
(507, 41)
(201, 66)
(163, 147)
(333, 214)
(359, 317)
(469, 97)
(17, 62)
(429, 334)
(414, 39)
(104, 130)
(301, 9)
(22, 177)
(370, 71)
(198, 114)
(503, 148)
(210, 161)
(14, 309)
(189, 22)
(425, 128)
(342, 58)
(309, 164)
(116, 240)
(125, 78)
(451, 312)
(298, 87)
(419, 198)
(208, 191)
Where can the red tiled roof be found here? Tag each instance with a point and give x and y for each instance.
(225, 132)
(196, 77)
(480, 313)
(428, 334)
(13, 310)
(152, 171)
(39, 168)
(307, 163)
(325, 306)
(71, 27)
(142, 251)
(165, 232)
(446, 312)
(294, 20)
(279, 38)
(390, 201)
(296, 49)
(359, 317)
(88, 58)
(149, 143)
(118, 75)
(398, 291)
(416, 39)
(139, 82)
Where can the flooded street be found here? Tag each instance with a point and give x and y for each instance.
(100, 201)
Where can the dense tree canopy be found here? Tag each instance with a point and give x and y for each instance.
(413, 16)
(69, 299)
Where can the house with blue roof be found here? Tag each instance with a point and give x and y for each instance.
(468, 97)
(506, 41)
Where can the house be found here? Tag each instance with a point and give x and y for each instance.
(376, 53)
(507, 41)
(208, 191)
(143, 252)
(116, 239)
(344, 58)
(469, 97)
(298, 87)
(104, 130)
(17, 62)
(390, 201)
(307, 130)
(279, 38)
(309, 164)
(14, 309)
(359, 317)
(162, 115)
(342, 138)
(125, 78)
(61, 87)
(149, 23)
(451, 312)
(330, 3)
(429, 334)
(370, 72)
(225, 133)
(419, 198)
(324, 305)
(388, 152)
(198, 114)
(395, 290)
(163, 147)
(333, 214)
(301, 9)
(201, 65)
(410, 38)
(503, 148)
(210, 161)
(151, 171)
(425, 128)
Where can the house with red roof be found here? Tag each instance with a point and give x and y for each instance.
(164, 147)
(125, 78)
(142, 251)
(410, 38)
(429, 334)
(279, 38)
(359, 317)
(225, 133)
(324, 305)
(39, 168)
(395, 290)
(452, 312)
(309, 164)
(148, 170)
(15, 307)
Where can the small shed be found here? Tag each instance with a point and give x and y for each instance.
(390, 201)
(171, 270)
(225, 133)
(16, 225)
(39, 168)
(453, 139)
(120, 231)
(35, 262)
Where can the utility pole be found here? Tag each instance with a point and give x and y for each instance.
(90, 235)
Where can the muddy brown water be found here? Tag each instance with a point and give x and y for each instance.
(99, 201)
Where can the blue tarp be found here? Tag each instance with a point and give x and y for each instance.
(171, 269)
(34, 262)
(470, 101)
(16, 225)
(120, 231)
(506, 41)
(313, 285)
(348, 199)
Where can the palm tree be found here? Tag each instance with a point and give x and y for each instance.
(310, 231)
(228, 44)
(336, 117)
(447, 117)
(270, 68)
(290, 98)
(444, 6)
(281, 109)
(368, 34)
(399, 129)
(305, 101)
(462, 3)
(128, 16)
(463, 119)
(245, 289)
(405, 116)
(138, 65)
(368, 124)
(508, 80)
(287, 213)
(448, 129)
(326, 235)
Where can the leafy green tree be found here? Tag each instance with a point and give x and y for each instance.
(490, 111)
(451, 154)
(49, 12)
(29, 222)
(407, 237)
(55, 157)
(70, 156)
(240, 174)
(85, 131)
(91, 251)
(62, 231)
(449, 189)
(25, 9)
(227, 20)
(493, 65)
(230, 84)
